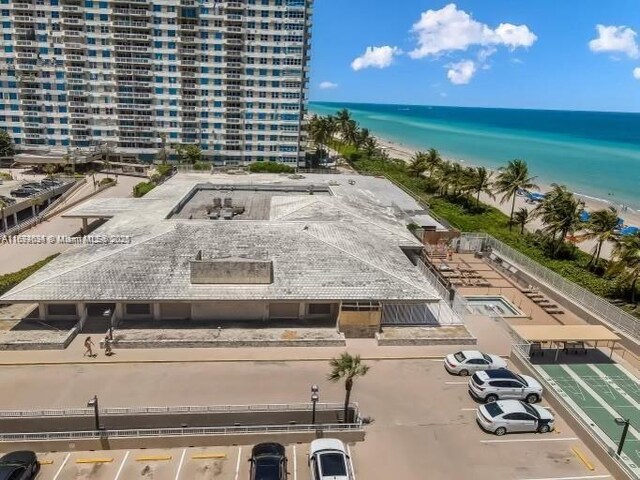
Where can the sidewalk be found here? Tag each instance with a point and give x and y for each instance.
(491, 338)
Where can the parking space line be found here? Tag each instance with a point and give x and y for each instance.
(295, 464)
(45, 462)
(583, 458)
(124, 460)
(64, 462)
(184, 452)
(353, 470)
(516, 440)
(237, 464)
(456, 383)
(570, 478)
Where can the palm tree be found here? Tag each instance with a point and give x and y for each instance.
(370, 147)
(350, 132)
(521, 217)
(343, 117)
(433, 160)
(627, 262)
(444, 176)
(163, 149)
(361, 138)
(601, 227)
(560, 214)
(418, 164)
(49, 169)
(513, 177)
(458, 176)
(349, 368)
(480, 181)
(3, 205)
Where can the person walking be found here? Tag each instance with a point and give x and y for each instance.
(88, 344)
(107, 346)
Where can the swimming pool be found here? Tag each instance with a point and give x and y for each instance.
(493, 305)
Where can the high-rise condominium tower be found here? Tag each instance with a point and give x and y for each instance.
(128, 75)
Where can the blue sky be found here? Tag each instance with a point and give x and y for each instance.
(546, 54)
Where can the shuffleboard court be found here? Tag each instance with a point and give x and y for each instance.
(600, 393)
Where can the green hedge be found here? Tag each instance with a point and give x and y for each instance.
(270, 167)
(142, 188)
(10, 280)
(107, 181)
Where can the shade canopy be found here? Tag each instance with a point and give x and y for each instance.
(565, 333)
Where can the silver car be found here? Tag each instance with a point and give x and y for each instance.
(491, 385)
(467, 362)
(514, 416)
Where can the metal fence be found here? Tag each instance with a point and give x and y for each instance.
(276, 407)
(179, 432)
(435, 282)
(607, 312)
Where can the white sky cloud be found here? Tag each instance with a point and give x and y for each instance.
(327, 85)
(461, 73)
(615, 39)
(378, 57)
(636, 73)
(449, 29)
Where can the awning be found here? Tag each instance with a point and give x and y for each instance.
(565, 333)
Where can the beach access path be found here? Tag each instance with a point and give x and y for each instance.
(630, 217)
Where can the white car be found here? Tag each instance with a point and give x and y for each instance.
(506, 416)
(328, 460)
(467, 362)
(492, 385)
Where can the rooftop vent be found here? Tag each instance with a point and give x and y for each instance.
(231, 270)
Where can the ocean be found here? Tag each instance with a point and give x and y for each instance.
(596, 154)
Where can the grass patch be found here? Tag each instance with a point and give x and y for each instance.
(10, 280)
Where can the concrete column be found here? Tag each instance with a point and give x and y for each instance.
(80, 309)
(85, 226)
(3, 225)
(265, 312)
(155, 310)
(302, 310)
(33, 210)
(119, 312)
(42, 311)
(15, 219)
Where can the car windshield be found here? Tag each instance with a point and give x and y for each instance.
(267, 469)
(459, 356)
(487, 358)
(333, 465)
(530, 410)
(493, 409)
(477, 380)
(520, 379)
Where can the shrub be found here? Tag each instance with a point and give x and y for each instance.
(107, 181)
(202, 166)
(164, 170)
(270, 167)
(142, 188)
(10, 280)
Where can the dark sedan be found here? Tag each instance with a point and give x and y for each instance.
(268, 462)
(22, 465)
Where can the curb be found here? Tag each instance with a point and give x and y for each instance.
(221, 360)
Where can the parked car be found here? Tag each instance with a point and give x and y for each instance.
(21, 465)
(8, 200)
(24, 192)
(507, 416)
(33, 185)
(492, 385)
(50, 182)
(466, 362)
(328, 460)
(268, 462)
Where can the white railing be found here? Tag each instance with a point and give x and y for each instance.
(179, 432)
(435, 282)
(608, 313)
(276, 407)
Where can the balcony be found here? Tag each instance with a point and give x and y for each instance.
(131, 11)
(24, 18)
(73, 21)
(25, 43)
(75, 58)
(22, 6)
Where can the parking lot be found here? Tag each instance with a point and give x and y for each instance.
(219, 463)
(422, 420)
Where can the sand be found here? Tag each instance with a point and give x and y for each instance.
(630, 217)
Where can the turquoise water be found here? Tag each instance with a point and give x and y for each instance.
(596, 154)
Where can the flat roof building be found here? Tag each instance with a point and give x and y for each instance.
(247, 248)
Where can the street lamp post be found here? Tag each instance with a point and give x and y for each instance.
(625, 422)
(94, 403)
(314, 400)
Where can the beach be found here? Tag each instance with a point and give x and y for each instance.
(630, 216)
